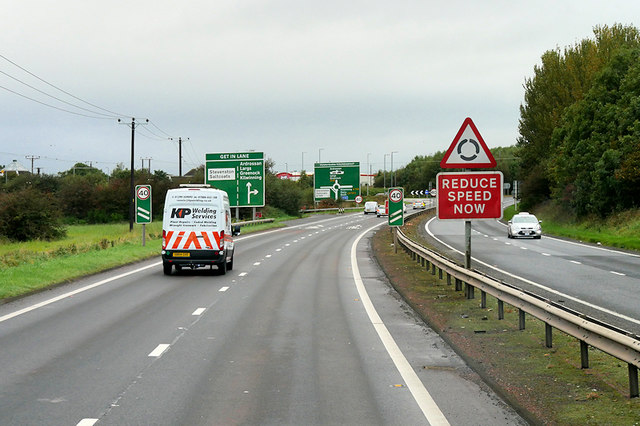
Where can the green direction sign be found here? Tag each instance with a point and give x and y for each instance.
(396, 206)
(143, 203)
(339, 181)
(240, 174)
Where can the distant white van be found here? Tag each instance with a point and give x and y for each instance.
(370, 207)
(196, 229)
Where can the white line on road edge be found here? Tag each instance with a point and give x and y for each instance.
(535, 284)
(422, 397)
(74, 292)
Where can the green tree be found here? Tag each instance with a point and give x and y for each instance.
(29, 214)
(597, 134)
(563, 79)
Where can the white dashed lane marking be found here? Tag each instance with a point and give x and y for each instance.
(199, 311)
(159, 350)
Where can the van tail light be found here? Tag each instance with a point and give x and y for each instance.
(164, 239)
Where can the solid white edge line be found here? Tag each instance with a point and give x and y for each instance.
(423, 398)
(74, 292)
(535, 284)
(159, 350)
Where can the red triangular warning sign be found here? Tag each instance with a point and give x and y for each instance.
(468, 150)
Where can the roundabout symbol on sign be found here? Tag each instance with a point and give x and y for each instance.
(395, 195)
(472, 157)
(143, 193)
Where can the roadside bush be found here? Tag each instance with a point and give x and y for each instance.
(29, 214)
(283, 194)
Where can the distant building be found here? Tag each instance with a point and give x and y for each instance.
(14, 167)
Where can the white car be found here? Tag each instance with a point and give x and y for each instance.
(382, 211)
(524, 224)
(370, 207)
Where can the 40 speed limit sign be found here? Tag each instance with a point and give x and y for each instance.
(396, 207)
(143, 204)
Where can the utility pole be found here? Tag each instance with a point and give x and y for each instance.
(149, 160)
(132, 194)
(179, 154)
(32, 157)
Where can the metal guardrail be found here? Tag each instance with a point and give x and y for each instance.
(589, 331)
(253, 222)
(337, 209)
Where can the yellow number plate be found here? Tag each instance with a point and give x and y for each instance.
(181, 254)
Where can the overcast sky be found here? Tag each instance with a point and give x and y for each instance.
(335, 80)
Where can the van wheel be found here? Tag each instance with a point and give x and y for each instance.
(222, 268)
(230, 263)
(166, 267)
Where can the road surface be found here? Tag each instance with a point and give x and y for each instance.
(304, 330)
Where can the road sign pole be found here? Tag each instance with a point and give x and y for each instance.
(395, 239)
(144, 233)
(467, 241)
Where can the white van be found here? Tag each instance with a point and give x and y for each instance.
(196, 229)
(370, 207)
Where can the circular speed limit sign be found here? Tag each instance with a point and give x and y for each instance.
(143, 193)
(358, 199)
(395, 195)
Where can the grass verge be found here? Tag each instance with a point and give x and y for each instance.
(547, 385)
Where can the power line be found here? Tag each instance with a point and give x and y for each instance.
(53, 106)
(154, 125)
(63, 91)
(56, 98)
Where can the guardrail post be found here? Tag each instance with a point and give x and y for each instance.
(500, 309)
(440, 273)
(521, 318)
(433, 269)
(584, 354)
(458, 285)
(422, 261)
(548, 335)
(633, 381)
(483, 299)
(470, 291)
(448, 278)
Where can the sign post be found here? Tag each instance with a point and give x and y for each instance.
(468, 195)
(396, 212)
(240, 175)
(143, 208)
